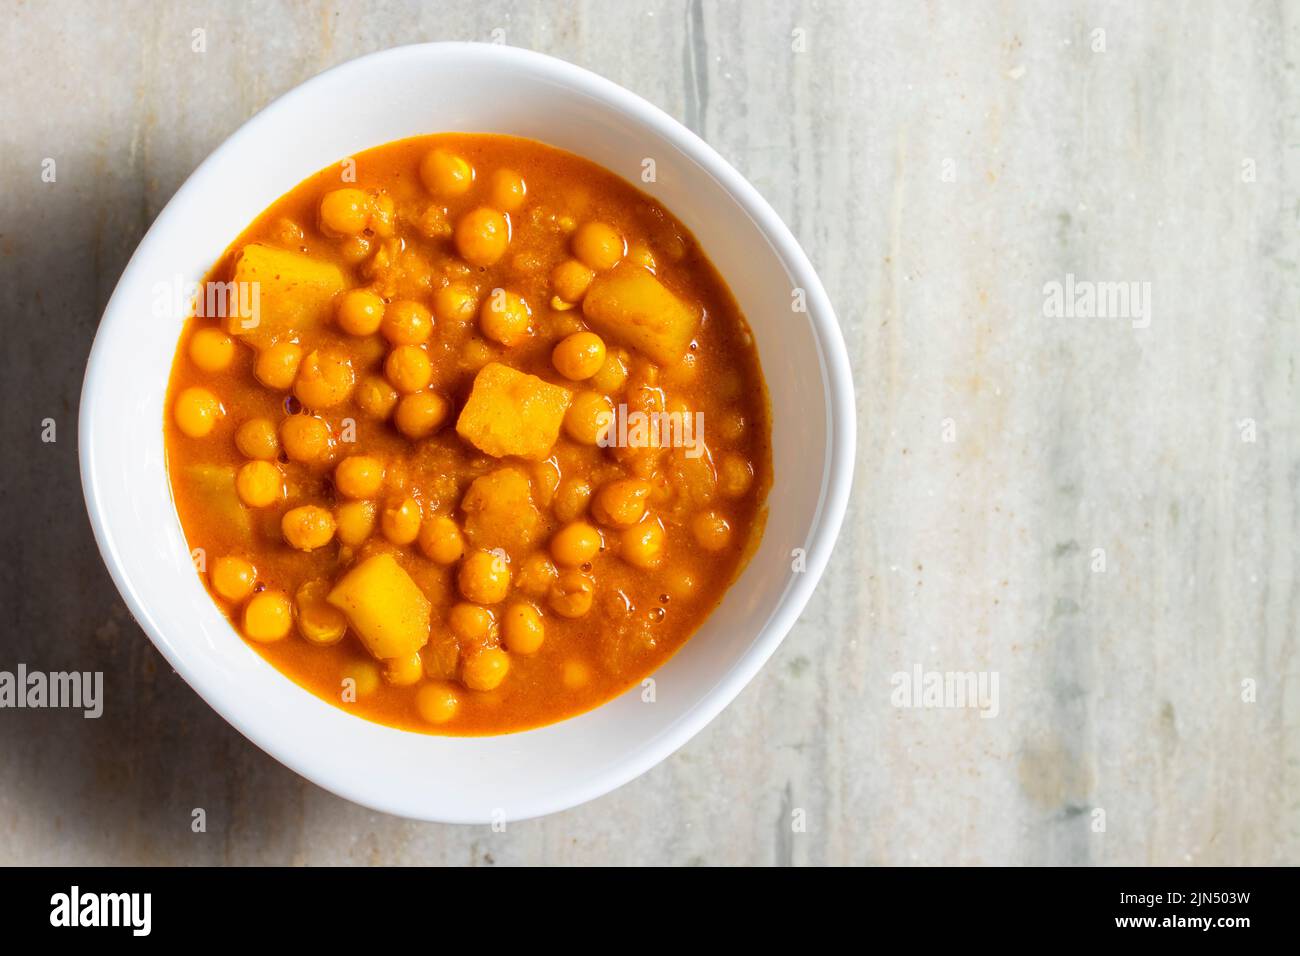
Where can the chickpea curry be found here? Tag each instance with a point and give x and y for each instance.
(467, 435)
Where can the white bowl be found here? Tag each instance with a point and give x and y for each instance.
(485, 88)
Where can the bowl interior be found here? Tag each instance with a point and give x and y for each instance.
(401, 93)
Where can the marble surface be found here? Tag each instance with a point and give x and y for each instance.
(1101, 512)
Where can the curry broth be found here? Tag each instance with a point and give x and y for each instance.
(639, 616)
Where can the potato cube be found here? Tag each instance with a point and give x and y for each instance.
(629, 305)
(512, 413)
(499, 512)
(214, 487)
(275, 294)
(385, 607)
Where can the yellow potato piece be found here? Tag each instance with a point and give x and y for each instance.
(215, 487)
(278, 294)
(629, 305)
(512, 413)
(499, 512)
(385, 607)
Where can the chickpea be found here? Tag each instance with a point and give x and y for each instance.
(360, 311)
(436, 703)
(268, 616)
(277, 365)
(572, 594)
(641, 254)
(735, 475)
(579, 355)
(622, 503)
(475, 354)
(482, 236)
(319, 622)
(305, 438)
(363, 676)
(642, 545)
(383, 221)
(441, 541)
(536, 575)
(589, 417)
(455, 302)
(485, 668)
(522, 629)
(408, 368)
(507, 190)
(232, 578)
(420, 415)
(546, 479)
(733, 426)
(445, 174)
(197, 412)
(570, 280)
(471, 623)
(404, 671)
(376, 397)
(612, 376)
(562, 322)
(406, 323)
(307, 527)
(432, 223)
(355, 521)
(571, 497)
(289, 233)
(711, 530)
(505, 317)
(484, 577)
(259, 483)
(211, 350)
(576, 674)
(356, 249)
(400, 521)
(674, 247)
(344, 212)
(383, 217)
(599, 245)
(256, 438)
(680, 583)
(359, 476)
(575, 544)
(324, 380)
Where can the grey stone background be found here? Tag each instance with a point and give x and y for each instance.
(940, 162)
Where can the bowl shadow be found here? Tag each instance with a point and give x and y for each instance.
(122, 788)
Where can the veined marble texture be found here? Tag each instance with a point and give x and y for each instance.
(1096, 511)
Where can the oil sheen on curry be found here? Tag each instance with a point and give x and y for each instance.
(466, 435)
